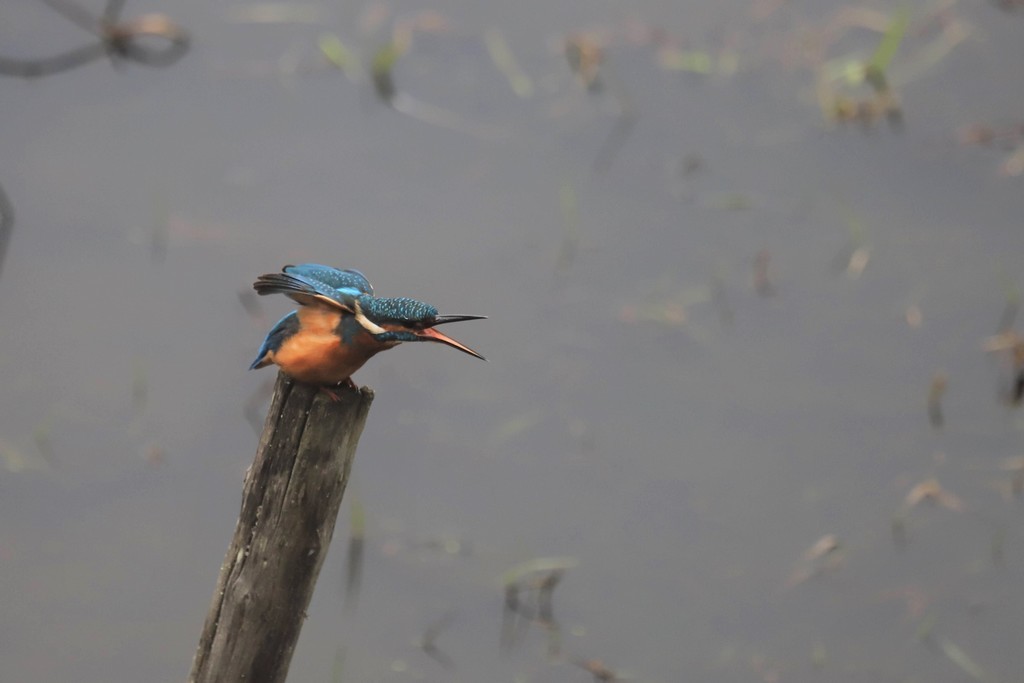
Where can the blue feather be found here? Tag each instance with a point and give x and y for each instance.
(285, 327)
(306, 290)
(334, 278)
(400, 309)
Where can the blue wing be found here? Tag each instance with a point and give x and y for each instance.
(332, 277)
(307, 291)
(285, 327)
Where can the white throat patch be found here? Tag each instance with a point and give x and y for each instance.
(367, 324)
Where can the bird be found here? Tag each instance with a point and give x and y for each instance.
(340, 324)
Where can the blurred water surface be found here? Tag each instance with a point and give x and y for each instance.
(645, 411)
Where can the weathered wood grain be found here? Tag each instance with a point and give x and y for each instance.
(290, 502)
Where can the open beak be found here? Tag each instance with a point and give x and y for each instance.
(430, 334)
(444, 319)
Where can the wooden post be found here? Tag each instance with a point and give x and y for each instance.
(293, 490)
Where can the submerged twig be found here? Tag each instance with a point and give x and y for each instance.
(585, 54)
(763, 283)
(545, 612)
(882, 102)
(512, 622)
(501, 55)
(1010, 344)
(1016, 466)
(601, 672)
(623, 125)
(121, 39)
(824, 556)
(428, 643)
(930, 491)
(955, 654)
(538, 577)
(853, 258)
(354, 558)
(898, 529)
(936, 390)
(6, 224)
(382, 75)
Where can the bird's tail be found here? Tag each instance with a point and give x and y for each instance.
(283, 283)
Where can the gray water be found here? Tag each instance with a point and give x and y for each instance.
(645, 411)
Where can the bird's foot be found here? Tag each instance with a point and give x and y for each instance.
(332, 393)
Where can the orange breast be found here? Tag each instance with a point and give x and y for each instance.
(315, 354)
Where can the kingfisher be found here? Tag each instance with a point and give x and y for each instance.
(340, 324)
